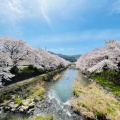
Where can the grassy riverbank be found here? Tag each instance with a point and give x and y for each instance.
(21, 96)
(94, 102)
(107, 84)
(28, 82)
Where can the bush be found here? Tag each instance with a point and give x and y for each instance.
(60, 66)
(28, 69)
(32, 69)
(14, 70)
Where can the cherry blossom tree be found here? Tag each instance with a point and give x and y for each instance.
(13, 51)
(5, 66)
(107, 56)
(45, 60)
(16, 49)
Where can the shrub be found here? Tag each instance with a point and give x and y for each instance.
(14, 70)
(28, 69)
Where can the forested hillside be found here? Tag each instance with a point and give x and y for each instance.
(71, 58)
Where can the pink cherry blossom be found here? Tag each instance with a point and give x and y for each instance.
(13, 51)
(94, 61)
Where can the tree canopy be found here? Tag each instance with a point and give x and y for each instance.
(107, 57)
(13, 51)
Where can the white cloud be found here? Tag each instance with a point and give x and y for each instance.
(61, 50)
(17, 10)
(13, 12)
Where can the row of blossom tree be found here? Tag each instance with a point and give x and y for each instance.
(13, 51)
(107, 57)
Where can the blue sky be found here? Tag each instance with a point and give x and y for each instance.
(62, 26)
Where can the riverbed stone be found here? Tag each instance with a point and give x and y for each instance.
(31, 104)
(13, 109)
(6, 103)
(6, 108)
(60, 110)
(30, 110)
(13, 105)
(13, 97)
(26, 102)
(21, 110)
(25, 108)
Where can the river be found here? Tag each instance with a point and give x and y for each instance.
(62, 89)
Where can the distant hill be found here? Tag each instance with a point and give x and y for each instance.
(71, 58)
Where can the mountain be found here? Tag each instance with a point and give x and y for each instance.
(71, 58)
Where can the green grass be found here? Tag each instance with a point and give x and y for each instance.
(40, 118)
(107, 84)
(36, 91)
(44, 118)
(76, 91)
(19, 101)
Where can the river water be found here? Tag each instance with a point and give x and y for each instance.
(62, 89)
